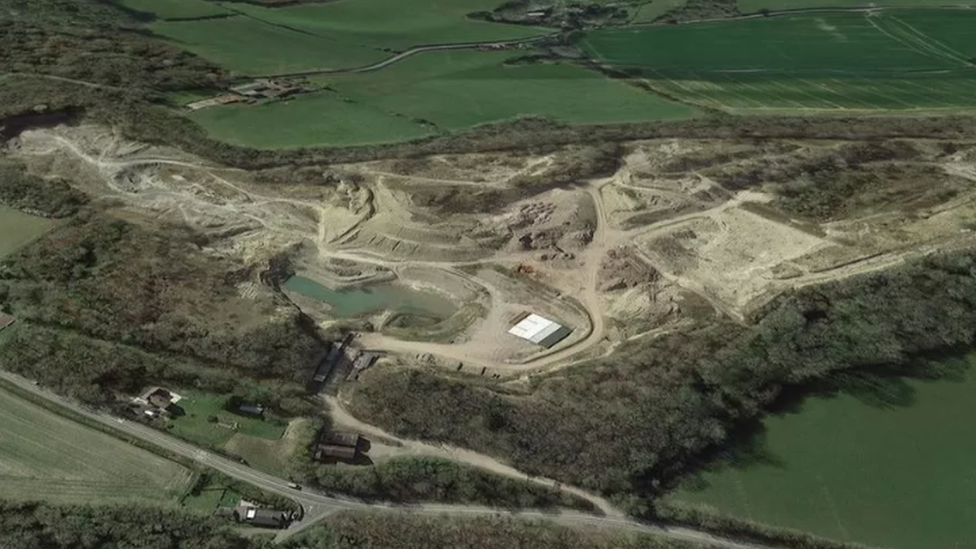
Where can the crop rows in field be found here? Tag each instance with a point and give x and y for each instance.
(898, 60)
(46, 456)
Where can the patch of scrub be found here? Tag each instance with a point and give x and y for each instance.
(18, 229)
(887, 462)
(376, 298)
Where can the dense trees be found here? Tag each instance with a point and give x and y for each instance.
(48, 198)
(107, 307)
(632, 423)
(41, 526)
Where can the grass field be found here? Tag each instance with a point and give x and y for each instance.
(175, 9)
(18, 229)
(888, 476)
(193, 426)
(393, 24)
(905, 60)
(753, 6)
(315, 119)
(46, 457)
(335, 35)
(443, 90)
(250, 46)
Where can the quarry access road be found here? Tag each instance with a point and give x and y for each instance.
(317, 505)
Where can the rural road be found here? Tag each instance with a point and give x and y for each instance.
(412, 51)
(318, 506)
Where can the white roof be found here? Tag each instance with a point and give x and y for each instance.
(534, 328)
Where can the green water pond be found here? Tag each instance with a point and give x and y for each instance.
(893, 466)
(375, 298)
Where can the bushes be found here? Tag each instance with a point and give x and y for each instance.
(398, 531)
(24, 525)
(36, 195)
(155, 289)
(425, 479)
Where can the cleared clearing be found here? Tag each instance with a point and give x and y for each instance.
(890, 60)
(47, 457)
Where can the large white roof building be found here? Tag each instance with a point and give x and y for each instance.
(539, 330)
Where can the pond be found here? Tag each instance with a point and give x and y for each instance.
(890, 464)
(375, 298)
(18, 229)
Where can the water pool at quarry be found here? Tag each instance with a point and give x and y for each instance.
(898, 472)
(374, 298)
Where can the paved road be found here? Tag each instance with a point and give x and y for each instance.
(318, 505)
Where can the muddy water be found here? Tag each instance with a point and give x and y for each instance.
(374, 298)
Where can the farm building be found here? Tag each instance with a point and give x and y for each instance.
(267, 518)
(5, 320)
(336, 446)
(539, 330)
(255, 410)
(157, 397)
(225, 99)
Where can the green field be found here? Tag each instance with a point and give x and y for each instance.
(46, 457)
(315, 119)
(335, 35)
(894, 475)
(194, 426)
(175, 9)
(752, 6)
(905, 60)
(250, 46)
(393, 24)
(448, 90)
(18, 229)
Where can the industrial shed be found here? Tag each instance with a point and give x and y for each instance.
(539, 330)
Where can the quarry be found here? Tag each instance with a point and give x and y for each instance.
(438, 258)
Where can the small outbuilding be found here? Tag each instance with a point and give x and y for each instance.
(539, 330)
(255, 410)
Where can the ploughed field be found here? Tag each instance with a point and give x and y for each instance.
(886, 463)
(889, 60)
(44, 456)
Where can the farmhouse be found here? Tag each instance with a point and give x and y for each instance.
(156, 400)
(538, 329)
